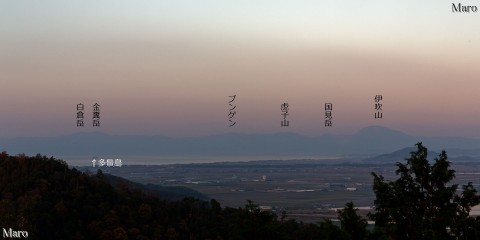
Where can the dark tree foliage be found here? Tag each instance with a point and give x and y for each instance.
(352, 223)
(422, 204)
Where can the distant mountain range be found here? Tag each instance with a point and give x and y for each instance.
(397, 156)
(369, 141)
(402, 154)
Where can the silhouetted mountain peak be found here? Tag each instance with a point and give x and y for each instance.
(379, 131)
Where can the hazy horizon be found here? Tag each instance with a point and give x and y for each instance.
(285, 131)
(167, 68)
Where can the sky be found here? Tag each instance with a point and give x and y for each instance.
(169, 67)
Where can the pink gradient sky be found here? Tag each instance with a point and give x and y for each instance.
(168, 68)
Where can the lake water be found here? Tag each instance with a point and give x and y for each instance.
(154, 160)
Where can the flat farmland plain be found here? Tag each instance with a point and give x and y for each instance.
(307, 190)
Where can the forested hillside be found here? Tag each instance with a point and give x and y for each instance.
(52, 201)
